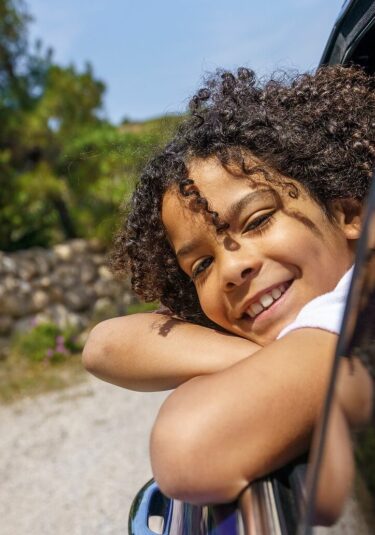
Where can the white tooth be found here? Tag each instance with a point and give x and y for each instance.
(276, 293)
(256, 308)
(251, 313)
(266, 300)
(282, 288)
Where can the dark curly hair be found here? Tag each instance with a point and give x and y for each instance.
(317, 128)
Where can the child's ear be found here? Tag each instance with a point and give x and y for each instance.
(348, 215)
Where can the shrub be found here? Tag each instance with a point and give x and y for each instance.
(135, 308)
(47, 342)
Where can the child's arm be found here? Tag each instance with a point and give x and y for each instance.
(217, 433)
(154, 351)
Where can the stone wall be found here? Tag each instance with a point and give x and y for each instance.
(67, 285)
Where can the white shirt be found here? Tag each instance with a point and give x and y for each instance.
(325, 311)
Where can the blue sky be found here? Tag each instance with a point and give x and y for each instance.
(152, 54)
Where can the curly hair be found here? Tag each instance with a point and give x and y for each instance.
(317, 128)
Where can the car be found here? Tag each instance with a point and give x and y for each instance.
(283, 503)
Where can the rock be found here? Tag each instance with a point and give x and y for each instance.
(105, 273)
(4, 348)
(107, 288)
(81, 339)
(66, 276)
(24, 287)
(102, 304)
(24, 324)
(78, 300)
(12, 305)
(56, 294)
(129, 298)
(104, 308)
(6, 324)
(44, 282)
(63, 318)
(98, 259)
(39, 300)
(88, 272)
(63, 251)
(27, 270)
(67, 285)
(42, 317)
(8, 265)
(79, 246)
(96, 246)
(43, 261)
(10, 283)
(50, 258)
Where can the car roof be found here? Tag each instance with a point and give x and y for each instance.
(352, 40)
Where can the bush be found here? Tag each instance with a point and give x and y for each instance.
(47, 342)
(135, 308)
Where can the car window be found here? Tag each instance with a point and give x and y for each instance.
(341, 477)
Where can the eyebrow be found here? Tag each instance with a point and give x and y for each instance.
(236, 208)
(188, 248)
(233, 211)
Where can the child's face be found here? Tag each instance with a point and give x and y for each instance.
(278, 253)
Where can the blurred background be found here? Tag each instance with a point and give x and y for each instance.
(88, 92)
(89, 89)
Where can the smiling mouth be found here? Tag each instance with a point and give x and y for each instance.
(266, 300)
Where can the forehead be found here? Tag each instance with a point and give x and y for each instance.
(215, 182)
(222, 189)
(220, 186)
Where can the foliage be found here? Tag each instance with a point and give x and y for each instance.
(135, 308)
(47, 342)
(21, 377)
(64, 169)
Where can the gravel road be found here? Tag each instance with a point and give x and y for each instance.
(71, 461)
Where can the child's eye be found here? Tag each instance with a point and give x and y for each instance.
(201, 266)
(259, 222)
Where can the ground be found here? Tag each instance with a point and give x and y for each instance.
(72, 460)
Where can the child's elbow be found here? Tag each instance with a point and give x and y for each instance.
(186, 465)
(95, 350)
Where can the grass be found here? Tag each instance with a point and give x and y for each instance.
(44, 359)
(135, 308)
(20, 377)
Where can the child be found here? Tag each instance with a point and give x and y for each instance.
(248, 216)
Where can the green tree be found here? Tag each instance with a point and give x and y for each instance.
(41, 106)
(22, 76)
(64, 169)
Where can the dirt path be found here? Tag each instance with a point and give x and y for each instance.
(71, 461)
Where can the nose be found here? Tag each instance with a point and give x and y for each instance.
(237, 268)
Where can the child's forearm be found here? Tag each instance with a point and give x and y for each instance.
(215, 434)
(153, 351)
